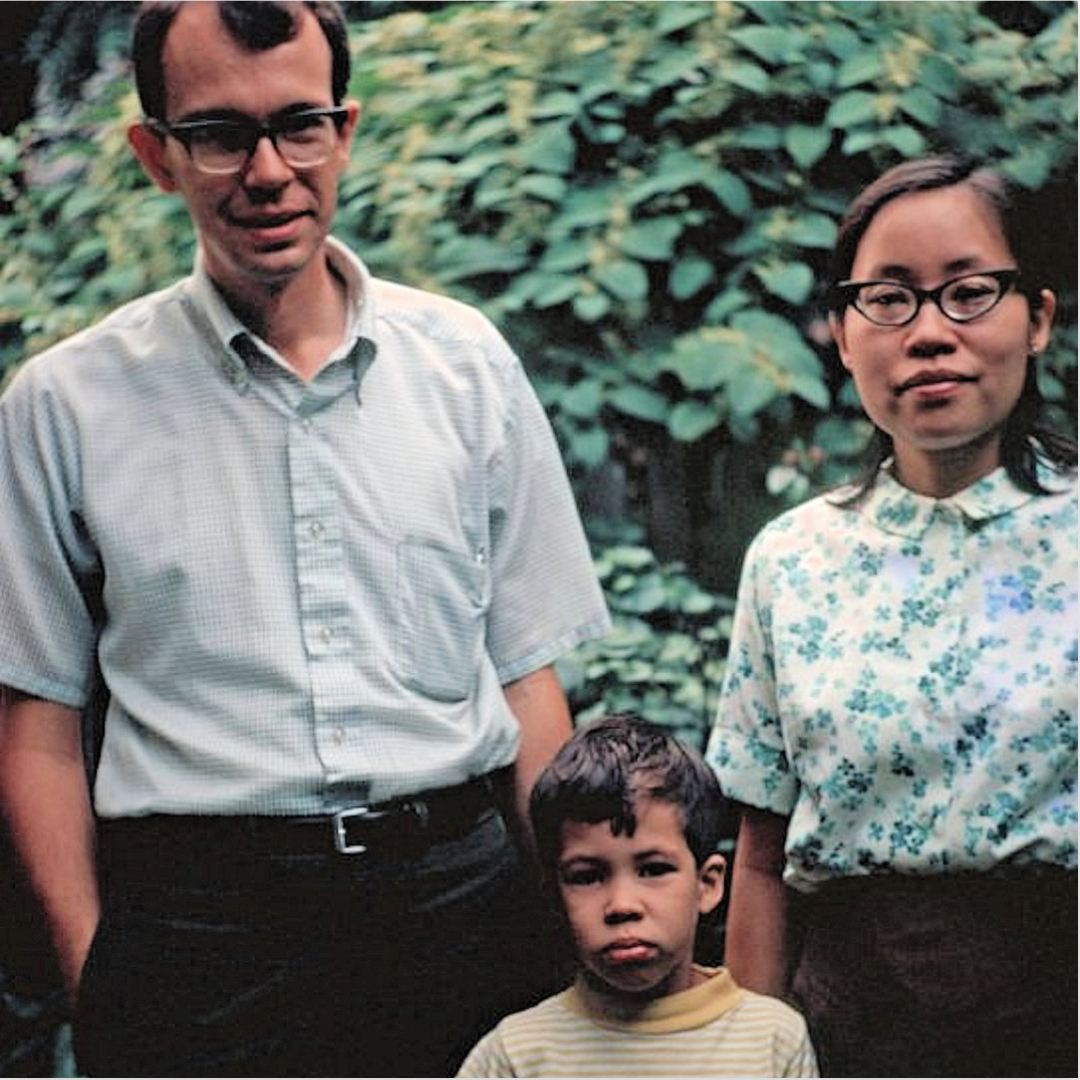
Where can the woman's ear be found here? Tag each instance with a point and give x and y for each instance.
(1041, 321)
(149, 147)
(836, 328)
(711, 883)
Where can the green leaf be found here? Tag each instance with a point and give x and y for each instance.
(689, 276)
(867, 66)
(674, 17)
(548, 187)
(806, 145)
(589, 307)
(1030, 169)
(920, 104)
(750, 390)
(469, 256)
(552, 289)
(556, 103)
(488, 128)
(565, 255)
(851, 109)
(697, 361)
(906, 139)
(83, 200)
(812, 230)
(625, 280)
(585, 208)
(744, 74)
(590, 447)
(630, 557)
(652, 239)
(639, 401)
(810, 388)
(726, 304)
(552, 149)
(938, 74)
(584, 399)
(856, 142)
(792, 282)
(773, 44)
(759, 137)
(674, 171)
(691, 419)
(731, 190)
(14, 295)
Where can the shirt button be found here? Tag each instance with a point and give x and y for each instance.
(339, 736)
(315, 529)
(327, 635)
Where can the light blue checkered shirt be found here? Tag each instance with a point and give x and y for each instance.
(301, 596)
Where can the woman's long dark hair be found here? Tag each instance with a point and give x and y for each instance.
(1026, 439)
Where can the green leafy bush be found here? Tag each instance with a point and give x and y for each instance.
(665, 655)
(645, 194)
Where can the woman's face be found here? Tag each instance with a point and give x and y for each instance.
(941, 389)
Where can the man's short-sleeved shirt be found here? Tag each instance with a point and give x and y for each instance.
(301, 595)
(902, 681)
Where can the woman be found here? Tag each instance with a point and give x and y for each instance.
(899, 714)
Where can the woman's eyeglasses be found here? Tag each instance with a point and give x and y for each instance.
(304, 139)
(888, 303)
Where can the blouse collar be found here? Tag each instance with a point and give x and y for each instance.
(899, 510)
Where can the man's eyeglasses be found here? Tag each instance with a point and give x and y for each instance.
(219, 147)
(888, 303)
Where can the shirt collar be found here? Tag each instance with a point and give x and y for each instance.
(684, 1010)
(242, 351)
(896, 509)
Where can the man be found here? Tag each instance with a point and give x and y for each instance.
(314, 530)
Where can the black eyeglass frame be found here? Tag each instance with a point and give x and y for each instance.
(846, 293)
(255, 130)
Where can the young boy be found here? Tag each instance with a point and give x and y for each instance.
(627, 820)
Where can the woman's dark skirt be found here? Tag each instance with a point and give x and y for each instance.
(950, 975)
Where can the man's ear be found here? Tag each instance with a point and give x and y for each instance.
(149, 147)
(348, 128)
(836, 328)
(711, 883)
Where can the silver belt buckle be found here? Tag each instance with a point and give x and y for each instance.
(341, 840)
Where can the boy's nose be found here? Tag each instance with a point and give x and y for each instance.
(623, 904)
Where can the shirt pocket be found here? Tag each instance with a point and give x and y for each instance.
(442, 600)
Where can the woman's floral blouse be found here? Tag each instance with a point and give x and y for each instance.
(902, 681)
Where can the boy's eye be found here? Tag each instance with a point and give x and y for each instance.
(656, 869)
(581, 875)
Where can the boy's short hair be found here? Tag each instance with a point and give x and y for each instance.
(606, 768)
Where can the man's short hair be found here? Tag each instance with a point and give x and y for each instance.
(257, 25)
(604, 771)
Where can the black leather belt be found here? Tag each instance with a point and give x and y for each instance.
(381, 828)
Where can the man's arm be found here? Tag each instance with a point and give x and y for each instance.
(539, 704)
(46, 800)
(755, 935)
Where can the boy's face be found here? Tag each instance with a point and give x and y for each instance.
(633, 903)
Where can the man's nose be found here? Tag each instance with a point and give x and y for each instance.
(266, 167)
